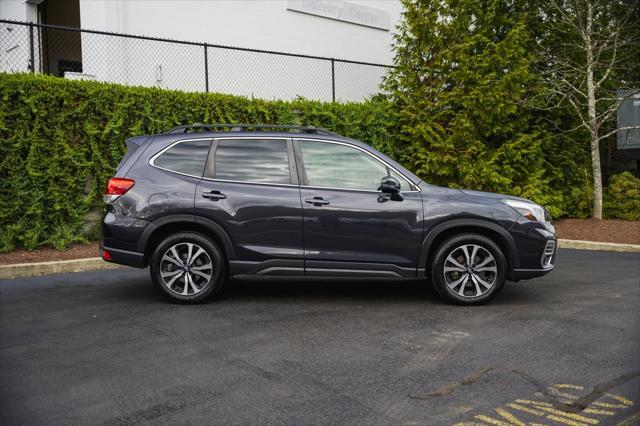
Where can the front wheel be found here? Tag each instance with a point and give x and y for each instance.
(187, 268)
(468, 269)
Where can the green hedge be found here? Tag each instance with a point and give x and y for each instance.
(622, 197)
(61, 140)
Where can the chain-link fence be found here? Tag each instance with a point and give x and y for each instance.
(189, 66)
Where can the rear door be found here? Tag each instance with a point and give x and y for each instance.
(250, 188)
(350, 227)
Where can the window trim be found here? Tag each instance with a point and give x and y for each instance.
(162, 151)
(297, 171)
(209, 171)
(304, 179)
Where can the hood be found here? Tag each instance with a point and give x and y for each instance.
(492, 195)
(471, 193)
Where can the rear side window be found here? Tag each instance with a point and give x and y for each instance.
(186, 157)
(252, 160)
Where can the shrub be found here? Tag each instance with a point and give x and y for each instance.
(60, 141)
(622, 197)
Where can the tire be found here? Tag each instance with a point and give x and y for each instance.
(464, 284)
(205, 274)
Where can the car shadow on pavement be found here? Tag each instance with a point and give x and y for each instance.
(365, 290)
(278, 289)
(133, 286)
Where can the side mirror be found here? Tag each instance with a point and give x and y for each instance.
(389, 185)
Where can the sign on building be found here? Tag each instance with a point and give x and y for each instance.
(629, 116)
(343, 11)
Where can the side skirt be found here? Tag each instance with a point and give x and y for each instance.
(291, 267)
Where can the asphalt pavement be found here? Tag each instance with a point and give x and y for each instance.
(104, 348)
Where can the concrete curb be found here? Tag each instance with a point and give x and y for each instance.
(592, 245)
(21, 270)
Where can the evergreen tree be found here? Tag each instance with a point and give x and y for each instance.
(463, 72)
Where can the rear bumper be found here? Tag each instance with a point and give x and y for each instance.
(121, 237)
(122, 257)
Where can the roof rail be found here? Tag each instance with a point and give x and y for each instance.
(243, 127)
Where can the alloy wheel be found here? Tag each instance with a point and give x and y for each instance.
(470, 271)
(186, 269)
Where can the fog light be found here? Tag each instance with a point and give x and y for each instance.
(547, 255)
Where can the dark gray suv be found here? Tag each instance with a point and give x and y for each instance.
(202, 203)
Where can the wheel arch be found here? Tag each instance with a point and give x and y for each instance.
(445, 230)
(167, 225)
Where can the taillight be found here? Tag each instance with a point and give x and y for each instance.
(106, 255)
(116, 187)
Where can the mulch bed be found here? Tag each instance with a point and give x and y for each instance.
(608, 231)
(605, 231)
(75, 251)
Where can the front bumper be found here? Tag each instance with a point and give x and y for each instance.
(526, 274)
(537, 246)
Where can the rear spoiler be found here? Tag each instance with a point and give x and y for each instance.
(132, 146)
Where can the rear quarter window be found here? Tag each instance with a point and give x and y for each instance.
(188, 157)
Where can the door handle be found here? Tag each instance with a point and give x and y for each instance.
(316, 201)
(214, 195)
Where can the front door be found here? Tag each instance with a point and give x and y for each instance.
(348, 223)
(250, 188)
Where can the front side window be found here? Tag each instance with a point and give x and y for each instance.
(252, 160)
(186, 157)
(332, 165)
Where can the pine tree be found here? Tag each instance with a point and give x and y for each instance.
(463, 73)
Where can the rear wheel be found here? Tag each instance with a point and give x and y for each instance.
(187, 268)
(468, 269)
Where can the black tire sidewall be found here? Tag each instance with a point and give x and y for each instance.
(216, 282)
(443, 251)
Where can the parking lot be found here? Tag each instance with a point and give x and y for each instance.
(104, 348)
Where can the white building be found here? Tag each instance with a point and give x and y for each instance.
(355, 30)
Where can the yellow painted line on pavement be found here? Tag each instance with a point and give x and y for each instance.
(608, 404)
(564, 421)
(624, 402)
(598, 412)
(525, 409)
(492, 421)
(545, 406)
(505, 414)
(633, 420)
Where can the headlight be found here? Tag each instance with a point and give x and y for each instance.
(529, 210)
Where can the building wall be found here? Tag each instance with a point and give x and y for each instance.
(267, 25)
(17, 10)
(14, 40)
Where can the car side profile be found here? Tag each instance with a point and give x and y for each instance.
(203, 203)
